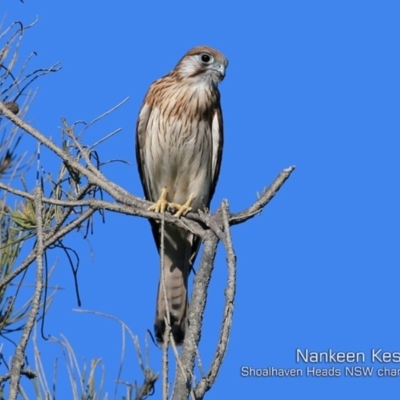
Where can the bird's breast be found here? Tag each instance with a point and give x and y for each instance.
(179, 156)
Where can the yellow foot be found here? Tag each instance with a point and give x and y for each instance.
(161, 204)
(184, 208)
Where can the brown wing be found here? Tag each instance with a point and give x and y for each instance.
(218, 142)
(141, 135)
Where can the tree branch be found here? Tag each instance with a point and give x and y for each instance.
(50, 239)
(210, 228)
(18, 359)
(195, 317)
(207, 382)
(267, 195)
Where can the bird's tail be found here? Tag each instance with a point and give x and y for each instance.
(172, 293)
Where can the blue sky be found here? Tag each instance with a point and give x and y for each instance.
(313, 84)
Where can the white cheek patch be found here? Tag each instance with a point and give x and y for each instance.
(189, 67)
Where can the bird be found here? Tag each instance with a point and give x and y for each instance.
(179, 141)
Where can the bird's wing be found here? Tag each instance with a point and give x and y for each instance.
(141, 128)
(217, 131)
(141, 136)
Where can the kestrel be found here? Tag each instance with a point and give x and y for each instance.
(179, 138)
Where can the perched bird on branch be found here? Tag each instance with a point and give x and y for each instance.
(179, 138)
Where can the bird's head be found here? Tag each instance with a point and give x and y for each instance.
(204, 63)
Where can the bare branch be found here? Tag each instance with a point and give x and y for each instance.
(121, 103)
(28, 373)
(195, 316)
(95, 178)
(207, 382)
(210, 228)
(150, 377)
(133, 206)
(18, 359)
(265, 198)
(114, 132)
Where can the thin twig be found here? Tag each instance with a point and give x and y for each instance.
(50, 239)
(69, 131)
(147, 388)
(166, 338)
(150, 377)
(121, 103)
(167, 318)
(267, 195)
(91, 147)
(95, 178)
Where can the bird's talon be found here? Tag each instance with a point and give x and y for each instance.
(182, 211)
(184, 208)
(161, 204)
(158, 207)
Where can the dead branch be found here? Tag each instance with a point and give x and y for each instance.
(18, 359)
(211, 228)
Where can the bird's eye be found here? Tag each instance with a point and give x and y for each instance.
(206, 58)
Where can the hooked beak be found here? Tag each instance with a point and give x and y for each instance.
(221, 70)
